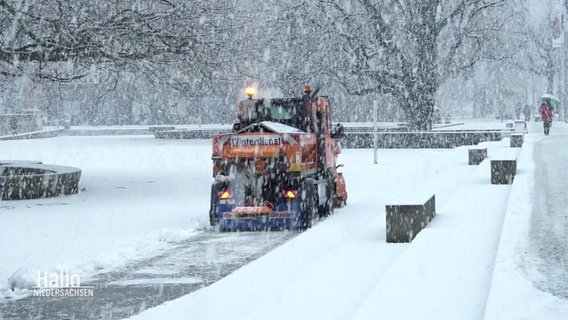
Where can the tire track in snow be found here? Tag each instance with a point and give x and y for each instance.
(548, 235)
(188, 266)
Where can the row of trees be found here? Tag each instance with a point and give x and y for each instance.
(173, 61)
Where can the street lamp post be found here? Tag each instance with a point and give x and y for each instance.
(375, 129)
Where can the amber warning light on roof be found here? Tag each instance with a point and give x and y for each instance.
(250, 91)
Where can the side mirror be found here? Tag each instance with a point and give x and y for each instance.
(338, 132)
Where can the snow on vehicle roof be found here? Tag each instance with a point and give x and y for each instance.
(280, 127)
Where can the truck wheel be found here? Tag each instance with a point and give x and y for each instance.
(328, 207)
(308, 206)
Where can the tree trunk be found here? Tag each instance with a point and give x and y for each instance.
(424, 82)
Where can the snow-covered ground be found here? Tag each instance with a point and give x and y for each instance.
(140, 194)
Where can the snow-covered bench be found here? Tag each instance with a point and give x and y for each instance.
(503, 171)
(477, 155)
(516, 140)
(405, 221)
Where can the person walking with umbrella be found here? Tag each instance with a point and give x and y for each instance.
(546, 114)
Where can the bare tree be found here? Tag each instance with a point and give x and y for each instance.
(197, 52)
(64, 39)
(403, 48)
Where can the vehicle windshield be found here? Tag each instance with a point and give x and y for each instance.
(280, 112)
(286, 111)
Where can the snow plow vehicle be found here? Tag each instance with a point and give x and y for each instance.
(277, 169)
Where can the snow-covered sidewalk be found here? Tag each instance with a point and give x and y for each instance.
(512, 294)
(338, 271)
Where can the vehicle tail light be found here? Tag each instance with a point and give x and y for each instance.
(225, 195)
(290, 194)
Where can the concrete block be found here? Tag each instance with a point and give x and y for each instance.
(405, 221)
(516, 140)
(503, 171)
(476, 156)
